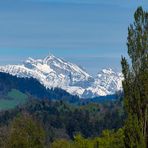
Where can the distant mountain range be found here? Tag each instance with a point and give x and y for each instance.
(54, 72)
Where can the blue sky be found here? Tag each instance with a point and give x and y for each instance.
(90, 33)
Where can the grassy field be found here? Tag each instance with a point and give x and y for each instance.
(13, 98)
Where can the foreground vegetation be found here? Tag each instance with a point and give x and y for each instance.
(60, 120)
(108, 139)
(135, 82)
(25, 132)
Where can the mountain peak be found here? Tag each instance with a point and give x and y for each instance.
(29, 60)
(55, 72)
(48, 58)
(108, 70)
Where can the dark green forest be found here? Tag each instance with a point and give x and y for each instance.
(60, 120)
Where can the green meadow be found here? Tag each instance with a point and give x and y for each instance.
(12, 99)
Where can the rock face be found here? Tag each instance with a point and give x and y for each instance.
(55, 72)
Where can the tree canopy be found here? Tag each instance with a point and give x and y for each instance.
(135, 82)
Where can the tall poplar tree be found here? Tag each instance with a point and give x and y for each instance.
(135, 82)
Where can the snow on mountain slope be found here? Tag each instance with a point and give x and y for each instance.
(110, 80)
(55, 72)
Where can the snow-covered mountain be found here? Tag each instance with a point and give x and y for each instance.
(55, 72)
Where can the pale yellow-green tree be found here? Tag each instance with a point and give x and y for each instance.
(25, 133)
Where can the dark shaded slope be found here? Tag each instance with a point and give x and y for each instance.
(33, 87)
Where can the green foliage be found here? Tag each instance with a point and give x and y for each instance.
(61, 120)
(3, 136)
(61, 144)
(133, 133)
(25, 133)
(135, 82)
(108, 139)
(81, 142)
(12, 99)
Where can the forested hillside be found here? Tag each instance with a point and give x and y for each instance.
(60, 120)
(32, 87)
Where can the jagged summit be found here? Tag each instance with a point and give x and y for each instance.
(49, 58)
(56, 72)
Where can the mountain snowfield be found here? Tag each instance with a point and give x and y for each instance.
(55, 72)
